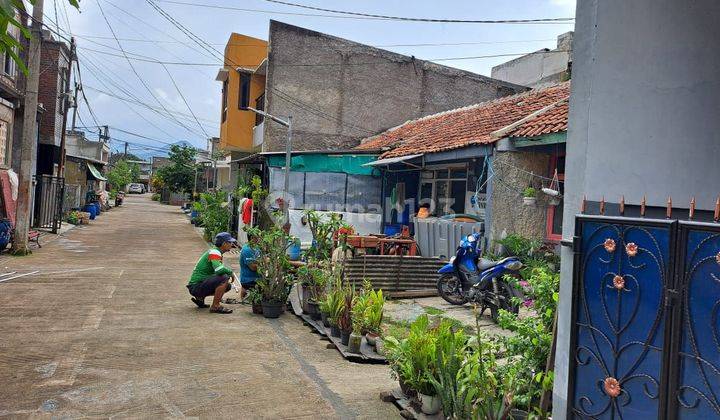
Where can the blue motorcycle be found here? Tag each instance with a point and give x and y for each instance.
(470, 278)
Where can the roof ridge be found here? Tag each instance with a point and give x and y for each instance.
(468, 107)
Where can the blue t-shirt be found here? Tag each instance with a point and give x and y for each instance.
(248, 256)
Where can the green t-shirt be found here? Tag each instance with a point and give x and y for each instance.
(209, 264)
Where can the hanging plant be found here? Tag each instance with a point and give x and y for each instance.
(529, 196)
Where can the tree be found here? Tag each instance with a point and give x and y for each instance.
(121, 175)
(180, 176)
(116, 157)
(9, 9)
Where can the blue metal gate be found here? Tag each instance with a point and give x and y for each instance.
(646, 319)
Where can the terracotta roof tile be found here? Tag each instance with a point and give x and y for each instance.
(474, 124)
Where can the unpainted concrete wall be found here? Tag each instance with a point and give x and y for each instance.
(339, 91)
(508, 212)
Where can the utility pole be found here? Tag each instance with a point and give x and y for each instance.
(66, 108)
(77, 86)
(288, 154)
(28, 154)
(126, 147)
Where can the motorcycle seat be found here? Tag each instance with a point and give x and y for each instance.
(484, 263)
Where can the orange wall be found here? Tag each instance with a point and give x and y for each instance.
(247, 52)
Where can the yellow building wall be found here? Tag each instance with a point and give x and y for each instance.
(236, 132)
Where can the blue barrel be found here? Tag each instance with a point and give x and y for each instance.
(90, 208)
(392, 230)
(293, 250)
(5, 228)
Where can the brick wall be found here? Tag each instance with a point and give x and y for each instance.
(53, 60)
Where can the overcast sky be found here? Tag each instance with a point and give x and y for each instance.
(145, 34)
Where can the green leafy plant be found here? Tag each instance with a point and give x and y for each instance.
(322, 227)
(155, 197)
(73, 217)
(412, 359)
(215, 213)
(272, 263)
(314, 276)
(179, 176)
(532, 338)
(530, 192)
(254, 296)
(344, 320)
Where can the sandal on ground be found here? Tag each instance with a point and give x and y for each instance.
(199, 303)
(221, 310)
(232, 301)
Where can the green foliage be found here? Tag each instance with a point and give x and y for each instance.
(367, 313)
(532, 338)
(123, 174)
(180, 176)
(315, 276)
(272, 263)
(254, 296)
(8, 18)
(344, 321)
(412, 359)
(155, 197)
(322, 228)
(334, 302)
(215, 213)
(530, 192)
(73, 217)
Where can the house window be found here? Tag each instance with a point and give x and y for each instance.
(555, 213)
(224, 100)
(260, 106)
(244, 88)
(444, 190)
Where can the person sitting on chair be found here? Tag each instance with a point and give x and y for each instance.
(210, 277)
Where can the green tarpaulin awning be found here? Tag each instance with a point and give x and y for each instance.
(349, 164)
(95, 173)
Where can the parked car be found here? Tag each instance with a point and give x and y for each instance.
(136, 189)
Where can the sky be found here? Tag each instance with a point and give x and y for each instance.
(144, 33)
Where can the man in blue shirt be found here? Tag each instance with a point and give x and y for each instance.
(248, 266)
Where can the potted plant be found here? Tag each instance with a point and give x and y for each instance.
(344, 321)
(273, 268)
(374, 316)
(355, 339)
(529, 196)
(254, 298)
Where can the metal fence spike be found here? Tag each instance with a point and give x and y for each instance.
(602, 205)
(622, 205)
(642, 206)
(668, 210)
(691, 214)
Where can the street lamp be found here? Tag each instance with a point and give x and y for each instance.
(288, 151)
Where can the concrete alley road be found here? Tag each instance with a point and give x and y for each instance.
(104, 327)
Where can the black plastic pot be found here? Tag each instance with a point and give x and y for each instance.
(314, 311)
(344, 337)
(335, 331)
(272, 309)
(325, 319)
(257, 309)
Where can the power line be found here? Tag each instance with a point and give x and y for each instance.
(412, 19)
(235, 44)
(142, 81)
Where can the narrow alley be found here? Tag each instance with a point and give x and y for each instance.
(103, 326)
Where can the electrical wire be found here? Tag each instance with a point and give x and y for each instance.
(412, 19)
(132, 67)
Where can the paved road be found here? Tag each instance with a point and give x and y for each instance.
(105, 328)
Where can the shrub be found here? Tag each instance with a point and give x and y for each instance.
(215, 213)
(272, 263)
(156, 197)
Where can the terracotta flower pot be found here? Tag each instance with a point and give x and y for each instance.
(371, 338)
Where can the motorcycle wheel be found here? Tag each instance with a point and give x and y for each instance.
(507, 293)
(450, 289)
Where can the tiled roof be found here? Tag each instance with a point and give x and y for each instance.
(553, 120)
(466, 126)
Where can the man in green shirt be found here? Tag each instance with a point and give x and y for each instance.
(210, 277)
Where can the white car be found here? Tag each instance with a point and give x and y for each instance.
(136, 189)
